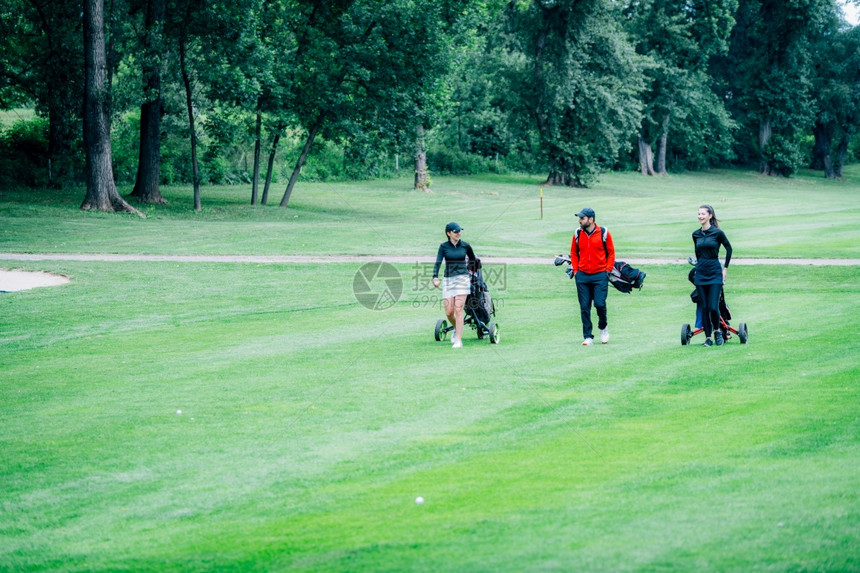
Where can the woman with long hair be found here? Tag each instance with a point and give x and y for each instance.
(710, 274)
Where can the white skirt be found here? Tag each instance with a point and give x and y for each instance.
(453, 286)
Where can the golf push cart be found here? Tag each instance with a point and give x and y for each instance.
(479, 309)
(688, 332)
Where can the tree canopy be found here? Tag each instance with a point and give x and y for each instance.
(205, 91)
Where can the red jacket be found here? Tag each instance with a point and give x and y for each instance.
(592, 257)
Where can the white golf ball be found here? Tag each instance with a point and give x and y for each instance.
(419, 500)
(178, 411)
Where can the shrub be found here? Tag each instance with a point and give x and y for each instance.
(125, 140)
(448, 161)
(783, 155)
(24, 153)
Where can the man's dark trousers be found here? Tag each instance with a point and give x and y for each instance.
(592, 288)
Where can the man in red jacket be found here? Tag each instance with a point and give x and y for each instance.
(592, 256)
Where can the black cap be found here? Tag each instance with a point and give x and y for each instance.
(587, 212)
(452, 226)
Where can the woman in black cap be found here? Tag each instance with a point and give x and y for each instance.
(456, 284)
(710, 275)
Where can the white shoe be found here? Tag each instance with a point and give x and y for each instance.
(457, 344)
(587, 342)
(604, 335)
(454, 338)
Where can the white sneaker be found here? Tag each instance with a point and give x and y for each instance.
(587, 342)
(457, 344)
(604, 335)
(454, 337)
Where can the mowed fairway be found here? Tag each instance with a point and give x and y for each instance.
(309, 424)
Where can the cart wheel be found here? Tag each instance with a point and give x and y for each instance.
(742, 332)
(686, 334)
(494, 333)
(481, 332)
(441, 333)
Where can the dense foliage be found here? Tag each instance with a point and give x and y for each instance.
(335, 89)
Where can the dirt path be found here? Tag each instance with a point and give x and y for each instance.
(15, 280)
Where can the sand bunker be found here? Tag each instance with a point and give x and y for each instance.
(23, 280)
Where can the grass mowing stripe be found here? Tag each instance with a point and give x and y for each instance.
(309, 424)
(763, 217)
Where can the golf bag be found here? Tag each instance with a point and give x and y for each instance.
(687, 332)
(479, 303)
(479, 308)
(625, 278)
(725, 313)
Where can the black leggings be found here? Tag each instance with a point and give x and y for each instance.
(709, 300)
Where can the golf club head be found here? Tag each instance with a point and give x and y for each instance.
(561, 260)
(691, 260)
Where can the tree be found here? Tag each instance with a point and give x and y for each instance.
(146, 186)
(368, 67)
(837, 98)
(679, 38)
(186, 24)
(421, 178)
(246, 68)
(575, 74)
(329, 37)
(41, 61)
(187, 84)
(767, 77)
(101, 194)
(275, 57)
(481, 116)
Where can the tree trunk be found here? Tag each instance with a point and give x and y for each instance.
(146, 187)
(841, 156)
(829, 171)
(258, 129)
(149, 159)
(565, 179)
(59, 162)
(186, 80)
(302, 157)
(421, 161)
(101, 189)
(646, 157)
(559, 178)
(662, 144)
(271, 167)
(765, 131)
(821, 148)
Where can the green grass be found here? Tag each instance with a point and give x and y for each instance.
(767, 217)
(13, 116)
(310, 424)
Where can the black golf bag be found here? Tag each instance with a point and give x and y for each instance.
(725, 313)
(688, 332)
(479, 303)
(625, 278)
(479, 308)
